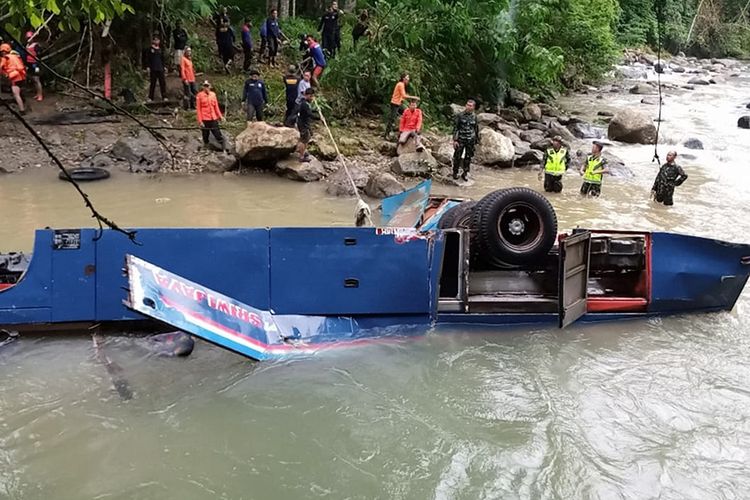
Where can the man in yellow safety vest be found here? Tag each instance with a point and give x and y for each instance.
(555, 162)
(593, 171)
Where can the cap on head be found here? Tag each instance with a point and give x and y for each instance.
(254, 71)
(206, 83)
(292, 68)
(557, 138)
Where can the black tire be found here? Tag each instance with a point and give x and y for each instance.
(459, 217)
(85, 174)
(513, 226)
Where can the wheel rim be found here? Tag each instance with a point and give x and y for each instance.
(520, 226)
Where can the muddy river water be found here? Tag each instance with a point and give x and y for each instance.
(640, 409)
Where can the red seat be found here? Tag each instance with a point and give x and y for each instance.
(616, 304)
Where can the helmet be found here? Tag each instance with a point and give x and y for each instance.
(5, 48)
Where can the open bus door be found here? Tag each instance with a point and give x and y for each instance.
(573, 277)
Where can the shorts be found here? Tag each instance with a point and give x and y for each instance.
(318, 71)
(305, 135)
(591, 189)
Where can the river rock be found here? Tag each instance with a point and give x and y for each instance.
(387, 148)
(642, 89)
(605, 113)
(383, 185)
(338, 183)
(494, 148)
(263, 142)
(532, 112)
(659, 67)
(53, 138)
(143, 153)
(557, 129)
(542, 145)
(632, 72)
(511, 114)
(748, 105)
(532, 135)
(218, 163)
(697, 81)
(688, 87)
(744, 122)
(633, 127)
(291, 168)
(693, 143)
(585, 131)
(650, 102)
(324, 149)
(487, 119)
(548, 110)
(443, 151)
(456, 109)
(518, 98)
(676, 68)
(530, 158)
(414, 164)
(100, 160)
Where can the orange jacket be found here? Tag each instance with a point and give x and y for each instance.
(187, 72)
(13, 67)
(207, 107)
(411, 120)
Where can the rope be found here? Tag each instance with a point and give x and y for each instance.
(659, 20)
(100, 219)
(363, 214)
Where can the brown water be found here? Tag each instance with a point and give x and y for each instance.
(640, 409)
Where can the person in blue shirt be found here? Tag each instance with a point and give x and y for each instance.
(254, 96)
(247, 44)
(316, 52)
(263, 40)
(273, 33)
(291, 86)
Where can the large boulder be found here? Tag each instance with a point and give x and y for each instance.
(557, 129)
(387, 148)
(324, 149)
(542, 145)
(677, 68)
(488, 119)
(531, 135)
(532, 112)
(693, 143)
(584, 130)
(456, 109)
(518, 98)
(632, 72)
(494, 148)
(443, 151)
(414, 164)
(338, 183)
(263, 142)
(291, 168)
(698, 81)
(642, 89)
(548, 110)
(143, 153)
(744, 122)
(633, 127)
(218, 163)
(383, 185)
(511, 115)
(531, 158)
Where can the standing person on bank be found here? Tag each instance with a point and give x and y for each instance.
(33, 53)
(13, 68)
(305, 116)
(254, 96)
(247, 44)
(555, 162)
(291, 89)
(273, 34)
(670, 175)
(208, 114)
(153, 61)
(328, 26)
(319, 59)
(593, 171)
(465, 139)
(180, 39)
(187, 75)
(397, 99)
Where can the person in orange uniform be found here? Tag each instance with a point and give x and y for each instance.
(12, 66)
(33, 53)
(208, 113)
(187, 73)
(399, 94)
(411, 125)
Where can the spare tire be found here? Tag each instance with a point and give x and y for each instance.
(85, 174)
(459, 216)
(513, 226)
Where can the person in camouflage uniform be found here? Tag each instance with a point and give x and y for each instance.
(465, 139)
(670, 175)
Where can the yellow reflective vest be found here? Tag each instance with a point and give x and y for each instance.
(555, 162)
(593, 164)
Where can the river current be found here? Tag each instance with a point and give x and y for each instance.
(633, 410)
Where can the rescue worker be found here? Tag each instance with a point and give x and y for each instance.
(593, 171)
(291, 86)
(465, 139)
(304, 84)
(33, 53)
(337, 32)
(254, 96)
(13, 68)
(305, 116)
(263, 32)
(318, 58)
(153, 61)
(411, 125)
(187, 74)
(247, 44)
(555, 162)
(225, 44)
(273, 33)
(670, 175)
(180, 39)
(328, 26)
(208, 114)
(399, 94)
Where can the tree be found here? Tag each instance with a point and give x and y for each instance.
(66, 14)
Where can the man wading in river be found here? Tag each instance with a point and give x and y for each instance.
(670, 175)
(465, 139)
(555, 162)
(208, 113)
(593, 171)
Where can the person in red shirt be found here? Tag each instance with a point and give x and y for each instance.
(32, 61)
(187, 73)
(208, 113)
(12, 66)
(411, 125)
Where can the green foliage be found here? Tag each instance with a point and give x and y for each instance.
(66, 14)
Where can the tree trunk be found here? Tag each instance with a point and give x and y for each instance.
(283, 9)
(294, 8)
